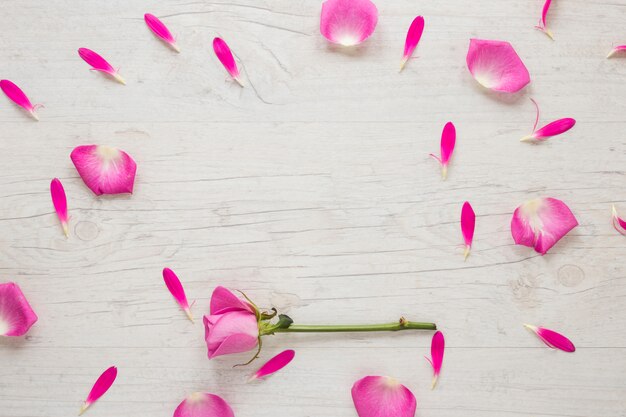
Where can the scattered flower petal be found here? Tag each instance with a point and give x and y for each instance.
(553, 339)
(99, 64)
(382, 396)
(16, 315)
(542, 22)
(540, 223)
(468, 223)
(203, 404)
(348, 22)
(17, 96)
(618, 223)
(437, 347)
(274, 365)
(105, 170)
(225, 56)
(101, 386)
(413, 37)
(551, 129)
(60, 203)
(448, 140)
(176, 289)
(616, 50)
(496, 66)
(160, 30)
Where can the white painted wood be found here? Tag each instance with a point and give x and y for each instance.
(311, 190)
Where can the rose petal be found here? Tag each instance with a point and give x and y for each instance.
(552, 339)
(468, 223)
(105, 170)
(541, 222)
(348, 22)
(232, 332)
(618, 223)
(413, 37)
(16, 315)
(274, 365)
(616, 50)
(100, 387)
(223, 300)
(60, 203)
(160, 30)
(382, 396)
(176, 289)
(437, 347)
(542, 22)
(203, 404)
(224, 54)
(496, 66)
(447, 143)
(99, 64)
(17, 96)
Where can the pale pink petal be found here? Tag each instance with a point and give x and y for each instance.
(413, 37)
(160, 30)
(616, 50)
(223, 300)
(542, 22)
(102, 385)
(448, 140)
(437, 347)
(382, 396)
(541, 223)
(16, 315)
(496, 66)
(99, 64)
(232, 332)
(203, 404)
(176, 289)
(60, 203)
(224, 54)
(105, 170)
(17, 96)
(348, 22)
(618, 223)
(468, 223)
(552, 339)
(274, 365)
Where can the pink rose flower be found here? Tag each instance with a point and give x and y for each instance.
(232, 326)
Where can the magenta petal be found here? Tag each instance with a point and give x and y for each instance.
(160, 30)
(382, 396)
(17, 96)
(554, 128)
(99, 64)
(437, 347)
(202, 404)
(101, 386)
(448, 140)
(616, 50)
(16, 315)
(413, 37)
(542, 22)
(468, 223)
(496, 66)
(618, 223)
(348, 22)
(176, 289)
(60, 202)
(223, 300)
(275, 364)
(224, 54)
(541, 222)
(552, 339)
(105, 170)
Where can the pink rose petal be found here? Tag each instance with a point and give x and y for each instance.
(541, 223)
(60, 203)
(542, 22)
(17, 96)
(382, 396)
(176, 289)
(105, 170)
(617, 50)
(16, 315)
(230, 332)
(274, 365)
(552, 339)
(468, 223)
(437, 347)
(203, 404)
(618, 223)
(348, 22)
(551, 129)
(413, 37)
(448, 141)
(224, 54)
(496, 66)
(99, 64)
(160, 30)
(101, 386)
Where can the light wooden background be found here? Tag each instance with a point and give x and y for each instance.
(311, 189)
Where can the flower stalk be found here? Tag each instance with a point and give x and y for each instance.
(285, 325)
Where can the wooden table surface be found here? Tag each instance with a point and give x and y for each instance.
(311, 190)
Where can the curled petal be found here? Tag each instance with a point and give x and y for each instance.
(552, 339)
(348, 22)
(616, 50)
(542, 22)
(16, 315)
(60, 203)
(232, 332)
(274, 365)
(160, 30)
(224, 54)
(448, 140)
(17, 96)
(102, 385)
(382, 396)
(551, 129)
(105, 170)
(496, 66)
(437, 347)
(468, 223)
(541, 223)
(413, 37)
(618, 223)
(176, 289)
(99, 64)
(223, 301)
(203, 404)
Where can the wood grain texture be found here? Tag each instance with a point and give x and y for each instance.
(311, 189)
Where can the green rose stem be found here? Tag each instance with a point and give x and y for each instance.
(387, 327)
